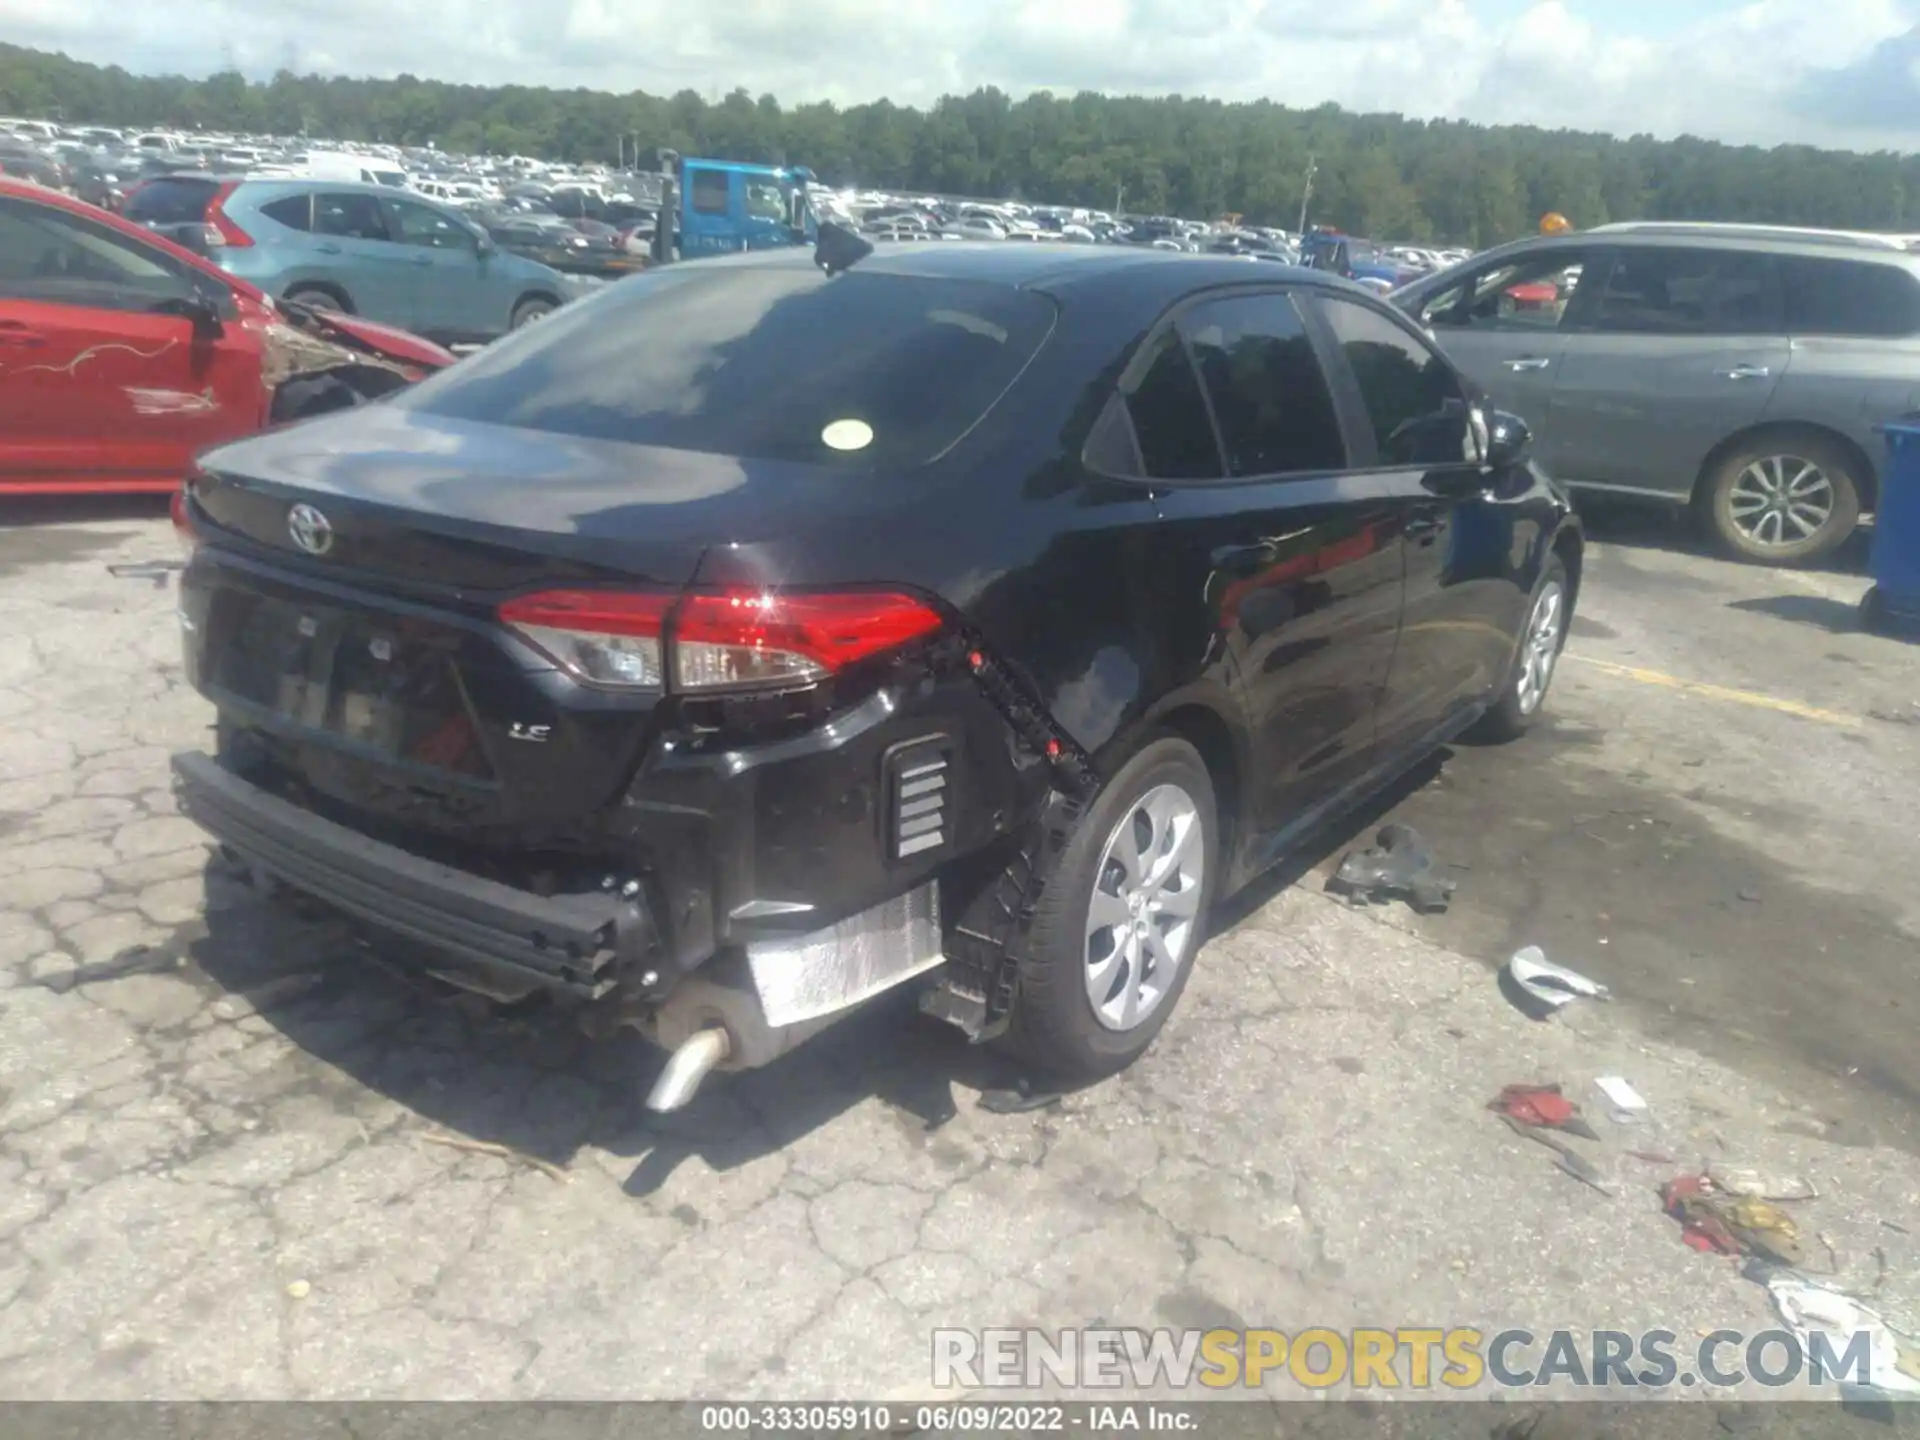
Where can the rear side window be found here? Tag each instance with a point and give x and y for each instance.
(1412, 397)
(170, 200)
(1849, 297)
(1688, 292)
(348, 214)
(412, 224)
(1170, 415)
(765, 361)
(1269, 394)
(709, 192)
(293, 211)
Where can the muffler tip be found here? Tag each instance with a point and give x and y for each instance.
(692, 1062)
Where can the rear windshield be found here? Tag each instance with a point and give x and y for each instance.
(1849, 297)
(167, 200)
(860, 371)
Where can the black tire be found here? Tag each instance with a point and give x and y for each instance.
(1053, 1026)
(1772, 460)
(315, 298)
(534, 307)
(1518, 705)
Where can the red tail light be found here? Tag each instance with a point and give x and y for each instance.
(220, 229)
(742, 638)
(715, 641)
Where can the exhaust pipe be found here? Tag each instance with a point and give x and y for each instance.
(694, 1059)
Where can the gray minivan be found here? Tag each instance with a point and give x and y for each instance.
(1739, 369)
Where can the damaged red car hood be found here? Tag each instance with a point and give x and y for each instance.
(390, 341)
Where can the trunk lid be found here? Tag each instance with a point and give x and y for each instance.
(365, 652)
(466, 512)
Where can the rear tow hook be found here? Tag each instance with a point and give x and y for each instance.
(694, 1059)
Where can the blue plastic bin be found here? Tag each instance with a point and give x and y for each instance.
(1895, 597)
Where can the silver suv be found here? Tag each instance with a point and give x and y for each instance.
(1738, 369)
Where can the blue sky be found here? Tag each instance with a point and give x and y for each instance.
(1825, 72)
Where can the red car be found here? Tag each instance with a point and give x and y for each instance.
(122, 355)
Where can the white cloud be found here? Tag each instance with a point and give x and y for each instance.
(1741, 74)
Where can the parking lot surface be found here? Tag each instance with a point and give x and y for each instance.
(241, 1159)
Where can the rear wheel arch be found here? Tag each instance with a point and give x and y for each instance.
(1571, 548)
(1205, 720)
(535, 297)
(1204, 728)
(1865, 473)
(301, 288)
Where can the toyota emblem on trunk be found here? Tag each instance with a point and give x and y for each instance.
(310, 530)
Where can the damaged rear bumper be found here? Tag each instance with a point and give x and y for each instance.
(580, 944)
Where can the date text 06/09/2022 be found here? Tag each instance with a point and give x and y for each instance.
(948, 1419)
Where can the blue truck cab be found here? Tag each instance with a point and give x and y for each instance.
(1350, 256)
(726, 207)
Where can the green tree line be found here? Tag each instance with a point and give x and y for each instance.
(1381, 175)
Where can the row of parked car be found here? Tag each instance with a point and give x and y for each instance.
(367, 249)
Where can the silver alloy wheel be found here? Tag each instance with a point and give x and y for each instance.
(1781, 500)
(1145, 908)
(1540, 647)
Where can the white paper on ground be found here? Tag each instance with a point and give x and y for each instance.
(1622, 1095)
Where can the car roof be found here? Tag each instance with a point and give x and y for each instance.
(1059, 269)
(292, 183)
(208, 177)
(1763, 239)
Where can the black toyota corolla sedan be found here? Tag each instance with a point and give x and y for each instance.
(750, 639)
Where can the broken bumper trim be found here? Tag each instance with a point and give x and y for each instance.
(575, 943)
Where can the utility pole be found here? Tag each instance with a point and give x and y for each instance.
(1306, 194)
(1119, 199)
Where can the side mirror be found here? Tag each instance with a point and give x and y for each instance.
(485, 245)
(1509, 441)
(201, 311)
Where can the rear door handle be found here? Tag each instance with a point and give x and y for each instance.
(328, 249)
(1531, 362)
(423, 259)
(1747, 372)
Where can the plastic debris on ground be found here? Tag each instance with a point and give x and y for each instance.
(1533, 1110)
(155, 570)
(1570, 1160)
(1807, 1307)
(1689, 1199)
(1627, 1102)
(1543, 1106)
(1399, 865)
(1542, 987)
(1018, 1100)
(1761, 1184)
(1716, 1223)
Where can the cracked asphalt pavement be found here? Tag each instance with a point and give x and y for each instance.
(240, 1158)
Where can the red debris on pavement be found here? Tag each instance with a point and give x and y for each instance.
(1689, 1199)
(1543, 1106)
